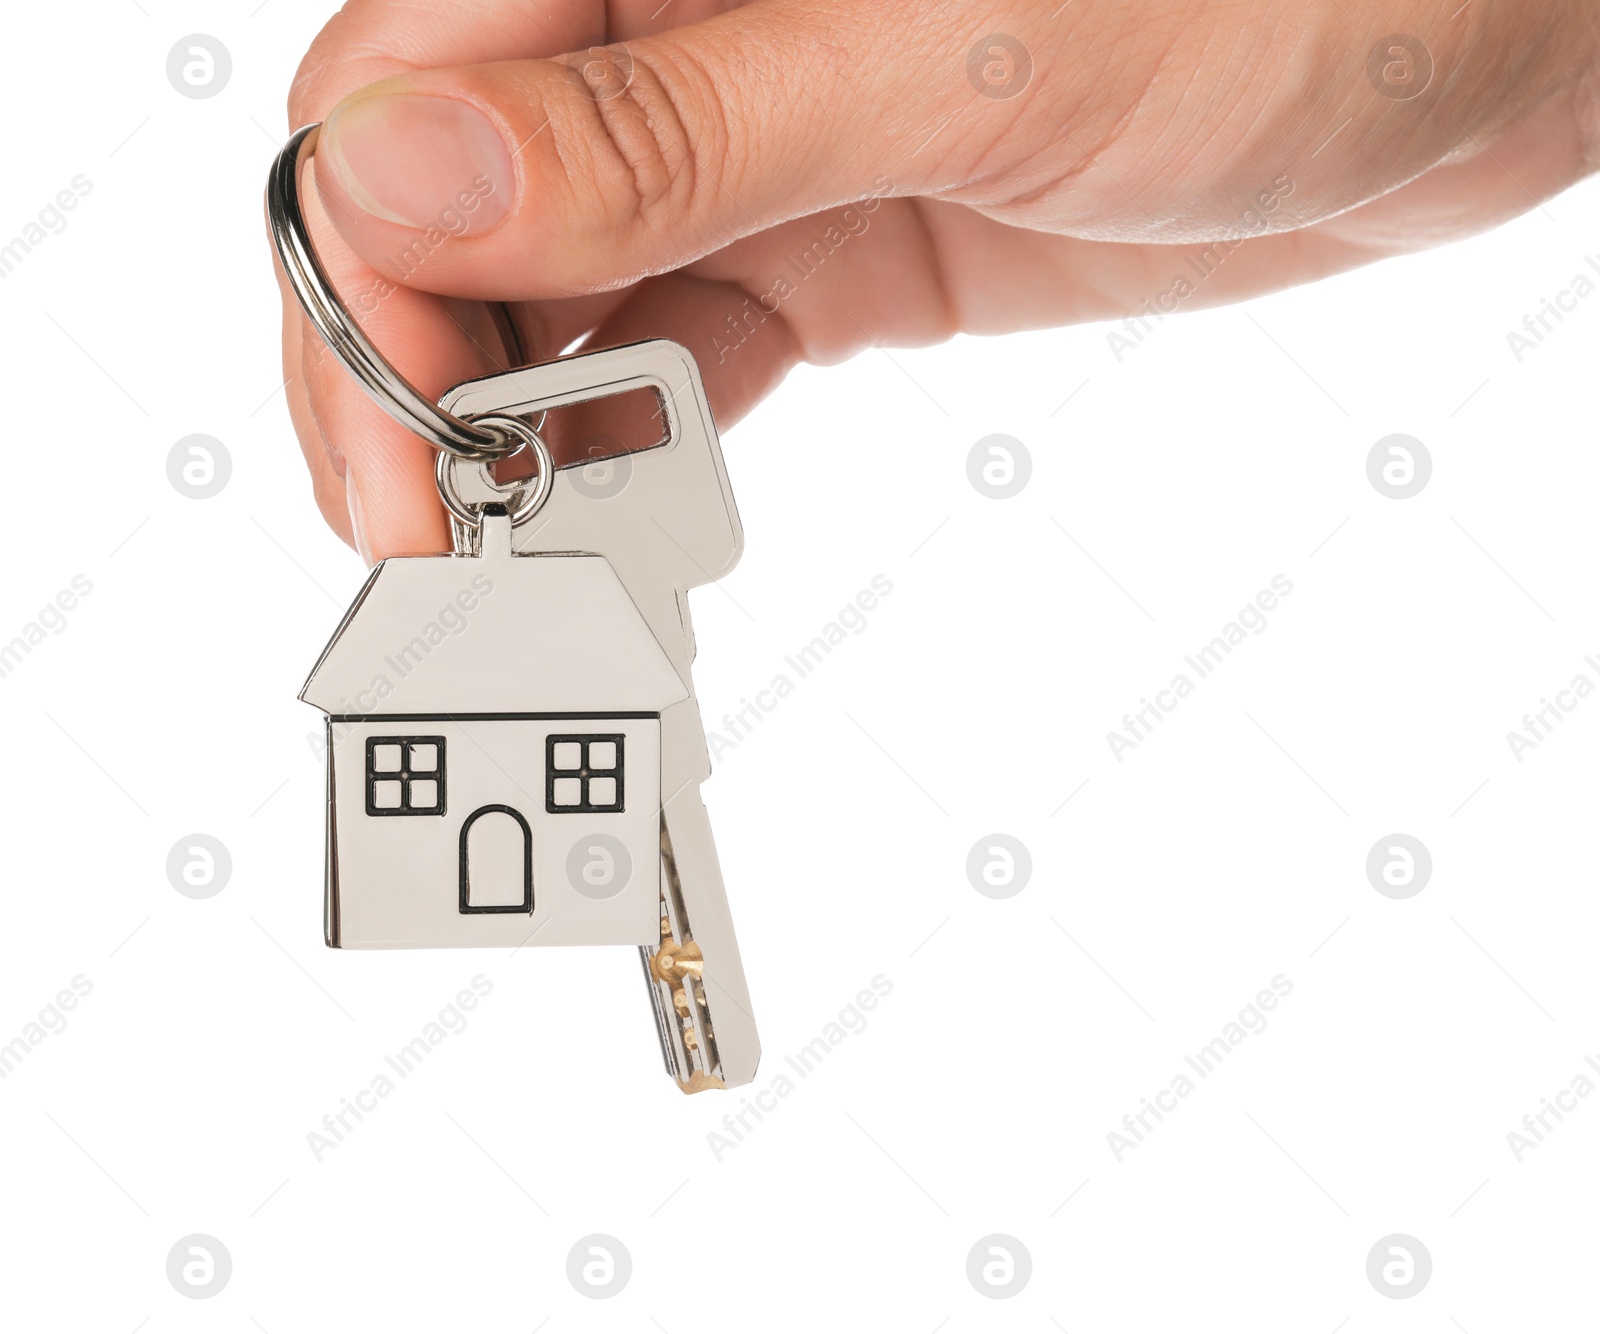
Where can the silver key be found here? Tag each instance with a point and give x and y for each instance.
(670, 527)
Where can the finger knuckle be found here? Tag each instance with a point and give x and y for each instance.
(654, 134)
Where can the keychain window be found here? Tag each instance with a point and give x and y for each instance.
(584, 774)
(405, 775)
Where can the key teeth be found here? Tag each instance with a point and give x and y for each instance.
(672, 963)
(675, 969)
(679, 982)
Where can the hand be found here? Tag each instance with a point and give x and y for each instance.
(678, 182)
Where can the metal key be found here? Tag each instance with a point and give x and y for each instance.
(671, 526)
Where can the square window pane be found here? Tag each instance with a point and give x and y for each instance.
(386, 793)
(602, 791)
(567, 791)
(424, 757)
(602, 755)
(424, 794)
(386, 759)
(567, 755)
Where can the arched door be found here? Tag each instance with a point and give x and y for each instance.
(496, 861)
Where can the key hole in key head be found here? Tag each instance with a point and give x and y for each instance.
(590, 433)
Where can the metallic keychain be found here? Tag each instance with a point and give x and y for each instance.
(514, 748)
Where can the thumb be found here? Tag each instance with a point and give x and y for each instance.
(545, 178)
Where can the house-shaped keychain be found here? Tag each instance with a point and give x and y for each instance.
(494, 757)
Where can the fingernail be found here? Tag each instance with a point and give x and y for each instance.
(421, 161)
(358, 517)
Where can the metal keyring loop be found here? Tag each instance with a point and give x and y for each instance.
(526, 496)
(388, 388)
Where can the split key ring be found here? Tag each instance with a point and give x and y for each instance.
(387, 387)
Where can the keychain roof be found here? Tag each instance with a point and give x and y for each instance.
(498, 633)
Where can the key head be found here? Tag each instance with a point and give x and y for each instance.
(665, 516)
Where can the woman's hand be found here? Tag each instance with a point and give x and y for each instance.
(795, 180)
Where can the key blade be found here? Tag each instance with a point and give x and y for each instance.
(707, 1033)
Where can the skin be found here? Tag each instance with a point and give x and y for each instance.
(655, 188)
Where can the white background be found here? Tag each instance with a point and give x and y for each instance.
(1171, 887)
